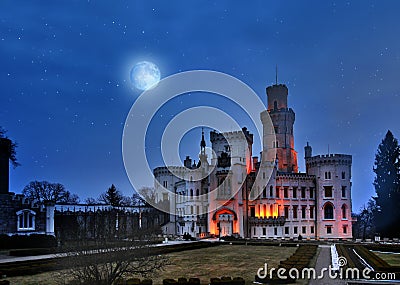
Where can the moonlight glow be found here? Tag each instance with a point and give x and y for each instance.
(145, 75)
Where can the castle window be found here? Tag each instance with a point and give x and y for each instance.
(295, 192)
(294, 212)
(252, 211)
(343, 175)
(328, 211)
(343, 191)
(303, 192)
(311, 212)
(191, 193)
(344, 212)
(197, 192)
(328, 175)
(328, 191)
(311, 193)
(271, 191)
(26, 220)
(286, 212)
(303, 212)
(277, 192)
(165, 184)
(285, 192)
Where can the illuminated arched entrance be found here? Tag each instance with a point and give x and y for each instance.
(226, 222)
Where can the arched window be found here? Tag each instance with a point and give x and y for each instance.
(197, 192)
(344, 211)
(26, 220)
(328, 211)
(191, 193)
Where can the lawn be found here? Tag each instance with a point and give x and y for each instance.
(392, 258)
(225, 260)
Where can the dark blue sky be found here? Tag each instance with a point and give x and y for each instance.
(65, 92)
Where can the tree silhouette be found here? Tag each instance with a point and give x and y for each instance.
(13, 153)
(43, 191)
(112, 196)
(387, 186)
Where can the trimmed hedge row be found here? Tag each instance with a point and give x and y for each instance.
(227, 280)
(27, 241)
(182, 281)
(299, 260)
(135, 281)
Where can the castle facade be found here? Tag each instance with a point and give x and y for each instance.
(259, 197)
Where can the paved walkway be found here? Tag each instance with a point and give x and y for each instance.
(323, 261)
(7, 259)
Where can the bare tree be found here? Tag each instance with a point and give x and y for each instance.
(46, 191)
(109, 264)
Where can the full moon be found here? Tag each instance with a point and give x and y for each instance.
(145, 75)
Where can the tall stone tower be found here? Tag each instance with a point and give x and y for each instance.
(282, 119)
(333, 194)
(5, 149)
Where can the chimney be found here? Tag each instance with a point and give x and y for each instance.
(5, 152)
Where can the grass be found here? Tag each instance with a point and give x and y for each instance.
(225, 260)
(392, 258)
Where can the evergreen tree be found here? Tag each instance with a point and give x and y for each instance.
(112, 196)
(387, 186)
(13, 153)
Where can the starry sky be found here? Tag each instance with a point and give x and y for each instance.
(65, 89)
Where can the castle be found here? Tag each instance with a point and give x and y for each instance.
(285, 204)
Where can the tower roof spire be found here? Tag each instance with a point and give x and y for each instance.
(203, 142)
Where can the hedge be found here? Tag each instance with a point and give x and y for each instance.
(27, 241)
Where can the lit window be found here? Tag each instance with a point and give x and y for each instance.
(26, 220)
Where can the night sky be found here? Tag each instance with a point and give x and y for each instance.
(65, 89)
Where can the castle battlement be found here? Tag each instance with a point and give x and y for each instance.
(344, 159)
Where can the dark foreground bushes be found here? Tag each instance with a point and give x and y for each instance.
(27, 241)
